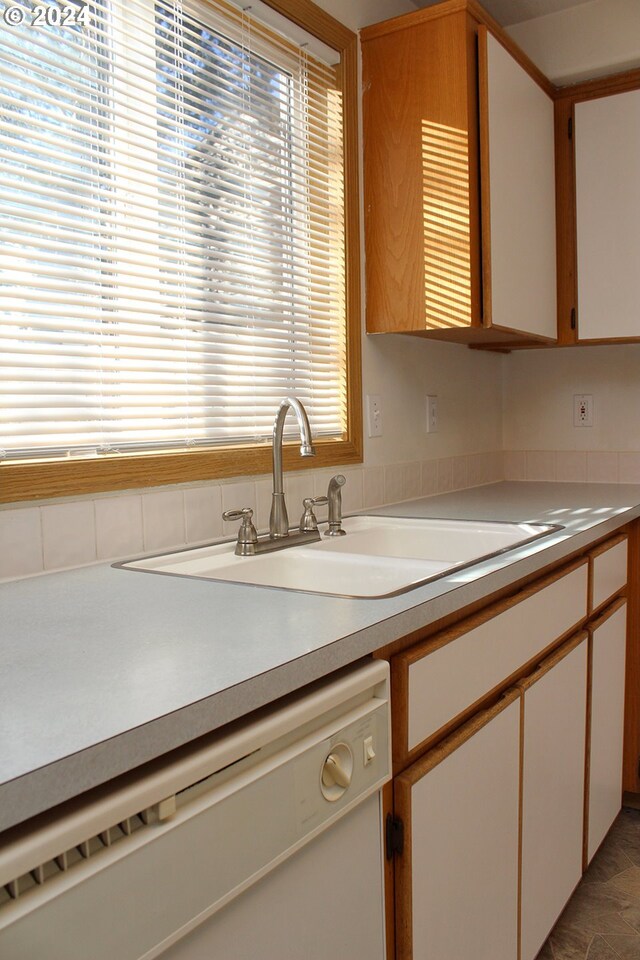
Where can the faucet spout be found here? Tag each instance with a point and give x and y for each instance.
(279, 521)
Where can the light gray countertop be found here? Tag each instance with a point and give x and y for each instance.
(103, 669)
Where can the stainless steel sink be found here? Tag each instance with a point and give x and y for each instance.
(379, 557)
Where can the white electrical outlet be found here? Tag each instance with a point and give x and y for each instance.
(583, 410)
(374, 415)
(432, 414)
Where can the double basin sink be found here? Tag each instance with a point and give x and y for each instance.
(379, 557)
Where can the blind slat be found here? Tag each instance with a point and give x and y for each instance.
(172, 256)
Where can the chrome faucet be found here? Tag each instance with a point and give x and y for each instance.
(249, 543)
(279, 521)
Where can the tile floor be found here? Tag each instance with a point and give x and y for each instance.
(602, 919)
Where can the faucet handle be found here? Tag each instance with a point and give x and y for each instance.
(247, 534)
(308, 520)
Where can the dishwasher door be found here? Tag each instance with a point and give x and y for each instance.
(264, 843)
(325, 901)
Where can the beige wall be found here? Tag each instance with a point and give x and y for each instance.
(403, 370)
(539, 386)
(599, 37)
(592, 39)
(359, 13)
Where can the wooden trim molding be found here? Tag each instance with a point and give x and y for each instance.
(480, 15)
(35, 480)
(631, 760)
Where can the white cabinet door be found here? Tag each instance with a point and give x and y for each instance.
(607, 160)
(457, 883)
(518, 196)
(607, 723)
(554, 733)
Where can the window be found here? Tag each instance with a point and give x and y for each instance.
(179, 243)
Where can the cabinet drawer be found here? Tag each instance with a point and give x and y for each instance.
(608, 571)
(440, 680)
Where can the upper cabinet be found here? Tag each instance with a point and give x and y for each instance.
(606, 135)
(598, 156)
(460, 222)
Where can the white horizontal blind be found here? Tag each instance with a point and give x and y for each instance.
(172, 231)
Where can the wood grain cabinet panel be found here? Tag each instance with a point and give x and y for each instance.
(458, 180)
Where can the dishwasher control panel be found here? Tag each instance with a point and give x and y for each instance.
(341, 768)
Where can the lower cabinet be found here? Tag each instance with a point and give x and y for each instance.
(554, 711)
(508, 732)
(457, 881)
(493, 820)
(606, 733)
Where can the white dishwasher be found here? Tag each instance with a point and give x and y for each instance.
(264, 843)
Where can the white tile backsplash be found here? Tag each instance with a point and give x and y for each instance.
(429, 484)
(541, 465)
(412, 480)
(394, 483)
(444, 481)
(20, 542)
(629, 467)
(571, 466)
(602, 467)
(203, 513)
(372, 487)
(119, 531)
(460, 472)
(69, 534)
(163, 519)
(515, 465)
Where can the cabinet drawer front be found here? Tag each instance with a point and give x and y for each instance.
(608, 573)
(450, 679)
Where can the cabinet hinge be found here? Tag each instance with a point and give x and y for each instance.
(395, 837)
(570, 128)
(573, 318)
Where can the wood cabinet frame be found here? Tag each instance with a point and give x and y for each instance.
(566, 100)
(443, 111)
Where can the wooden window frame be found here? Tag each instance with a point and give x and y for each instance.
(40, 479)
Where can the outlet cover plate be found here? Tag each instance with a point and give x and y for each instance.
(583, 410)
